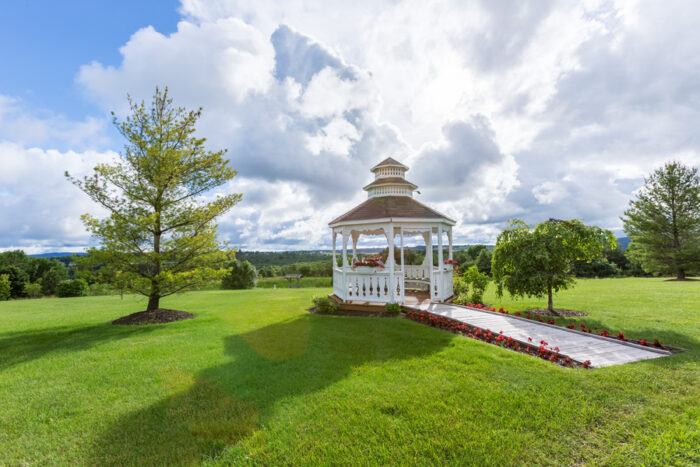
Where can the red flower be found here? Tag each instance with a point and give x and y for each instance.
(587, 364)
(530, 339)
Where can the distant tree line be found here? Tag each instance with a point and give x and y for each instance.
(26, 276)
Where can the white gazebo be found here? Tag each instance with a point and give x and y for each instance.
(391, 211)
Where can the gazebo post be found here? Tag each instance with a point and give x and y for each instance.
(403, 277)
(344, 262)
(355, 237)
(389, 231)
(429, 259)
(335, 263)
(441, 264)
(449, 239)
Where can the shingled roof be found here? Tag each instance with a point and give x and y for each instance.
(390, 181)
(387, 207)
(388, 162)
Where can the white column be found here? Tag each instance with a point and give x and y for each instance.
(335, 263)
(449, 239)
(346, 234)
(355, 237)
(389, 232)
(441, 265)
(403, 272)
(344, 263)
(429, 260)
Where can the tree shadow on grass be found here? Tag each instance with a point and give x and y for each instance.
(23, 346)
(222, 405)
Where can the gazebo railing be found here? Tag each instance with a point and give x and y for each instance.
(374, 286)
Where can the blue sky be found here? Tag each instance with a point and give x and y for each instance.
(501, 110)
(44, 43)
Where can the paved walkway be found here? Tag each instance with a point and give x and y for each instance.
(601, 351)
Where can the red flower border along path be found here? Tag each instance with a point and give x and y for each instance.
(604, 333)
(497, 338)
(540, 349)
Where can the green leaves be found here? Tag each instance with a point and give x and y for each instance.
(537, 262)
(160, 235)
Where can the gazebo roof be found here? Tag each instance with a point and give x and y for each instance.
(392, 208)
(388, 162)
(390, 181)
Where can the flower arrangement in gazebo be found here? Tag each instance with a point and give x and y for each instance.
(369, 262)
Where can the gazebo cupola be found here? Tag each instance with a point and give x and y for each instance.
(390, 180)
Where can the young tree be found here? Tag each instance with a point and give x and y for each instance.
(240, 275)
(664, 221)
(537, 262)
(160, 235)
(5, 287)
(483, 261)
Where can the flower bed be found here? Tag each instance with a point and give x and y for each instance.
(581, 327)
(542, 349)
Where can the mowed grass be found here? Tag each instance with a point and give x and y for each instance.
(256, 379)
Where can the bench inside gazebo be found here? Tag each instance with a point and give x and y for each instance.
(391, 211)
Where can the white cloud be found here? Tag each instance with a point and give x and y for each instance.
(533, 110)
(40, 208)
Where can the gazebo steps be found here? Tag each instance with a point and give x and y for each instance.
(357, 305)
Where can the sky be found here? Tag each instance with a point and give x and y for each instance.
(501, 109)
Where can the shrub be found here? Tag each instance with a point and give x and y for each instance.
(392, 308)
(241, 275)
(18, 279)
(459, 286)
(478, 282)
(5, 287)
(462, 299)
(325, 305)
(72, 288)
(32, 290)
(50, 280)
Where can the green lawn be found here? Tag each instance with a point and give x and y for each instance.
(256, 379)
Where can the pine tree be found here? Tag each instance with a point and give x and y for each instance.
(664, 221)
(161, 233)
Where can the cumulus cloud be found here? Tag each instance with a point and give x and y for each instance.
(40, 209)
(30, 127)
(502, 110)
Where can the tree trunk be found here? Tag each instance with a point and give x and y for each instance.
(153, 300)
(681, 274)
(549, 305)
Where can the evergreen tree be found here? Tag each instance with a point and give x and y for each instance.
(664, 221)
(160, 236)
